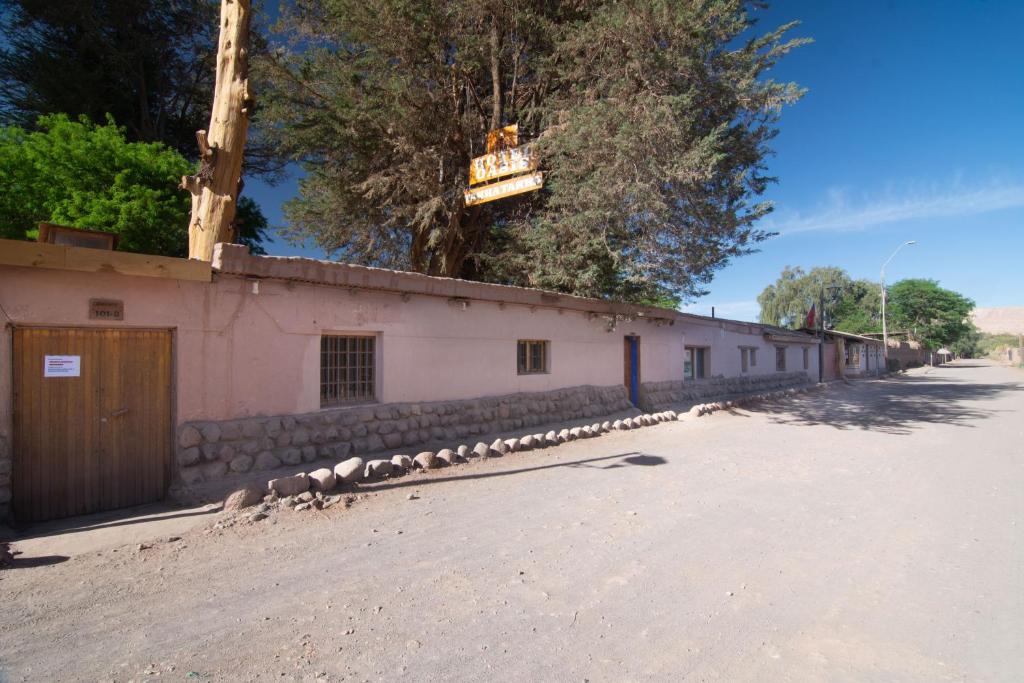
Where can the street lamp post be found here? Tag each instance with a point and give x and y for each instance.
(885, 331)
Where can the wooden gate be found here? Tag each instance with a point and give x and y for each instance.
(92, 420)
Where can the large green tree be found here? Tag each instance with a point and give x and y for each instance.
(850, 305)
(936, 316)
(89, 176)
(148, 63)
(653, 119)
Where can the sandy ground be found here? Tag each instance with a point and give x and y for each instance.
(869, 532)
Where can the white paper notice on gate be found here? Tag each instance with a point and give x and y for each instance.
(62, 366)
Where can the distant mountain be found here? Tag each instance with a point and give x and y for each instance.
(1002, 320)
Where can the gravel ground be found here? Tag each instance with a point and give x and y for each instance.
(867, 532)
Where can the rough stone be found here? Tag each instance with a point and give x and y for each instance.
(349, 471)
(481, 450)
(215, 470)
(210, 432)
(191, 475)
(243, 498)
(463, 451)
(188, 456)
(564, 436)
(308, 453)
(526, 443)
(511, 445)
(447, 456)
(266, 461)
(551, 438)
(498, 448)
(252, 429)
(392, 440)
(289, 486)
(241, 463)
(322, 479)
(189, 437)
(402, 462)
(575, 433)
(290, 456)
(425, 460)
(378, 468)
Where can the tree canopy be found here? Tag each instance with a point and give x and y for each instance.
(653, 120)
(147, 63)
(89, 176)
(931, 314)
(936, 316)
(850, 305)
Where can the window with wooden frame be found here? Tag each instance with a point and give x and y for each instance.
(532, 356)
(696, 362)
(744, 359)
(347, 369)
(753, 357)
(780, 358)
(807, 359)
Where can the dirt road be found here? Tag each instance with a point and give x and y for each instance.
(869, 532)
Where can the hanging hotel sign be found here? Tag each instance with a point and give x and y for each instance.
(505, 157)
(502, 163)
(504, 188)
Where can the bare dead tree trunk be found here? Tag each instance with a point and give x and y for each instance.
(495, 72)
(216, 187)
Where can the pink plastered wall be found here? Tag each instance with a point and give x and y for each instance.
(725, 338)
(244, 349)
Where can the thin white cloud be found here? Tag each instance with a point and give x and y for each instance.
(733, 310)
(838, 213)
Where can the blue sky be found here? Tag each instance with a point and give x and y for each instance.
(912, 129)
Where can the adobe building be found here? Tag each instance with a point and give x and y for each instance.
(128, 373)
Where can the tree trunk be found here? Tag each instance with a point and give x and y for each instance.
(216, 187)
(495, 73)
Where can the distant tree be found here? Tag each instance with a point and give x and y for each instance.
(787, 301)
(936, 316)
(858, 308)
(85, 175)
(653, 119)
(850, 305)
(968, 345)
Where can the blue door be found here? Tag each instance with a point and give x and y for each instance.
(633, 369)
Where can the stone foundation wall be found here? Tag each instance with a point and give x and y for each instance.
(209, 450)
(658, 395)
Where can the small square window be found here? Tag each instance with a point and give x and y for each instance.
(532, 356)
(780, 358)
(347, 370)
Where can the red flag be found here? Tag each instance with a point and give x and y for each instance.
(810, 318)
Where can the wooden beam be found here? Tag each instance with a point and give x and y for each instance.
(62, 257)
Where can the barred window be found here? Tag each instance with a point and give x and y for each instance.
(780, 358)
(807, 363)
(347, 370)
(532, 356)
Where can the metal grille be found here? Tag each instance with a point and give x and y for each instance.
(347, 372)
(532, 357)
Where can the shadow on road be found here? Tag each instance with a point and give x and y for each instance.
(624, 460)
(894, 405)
